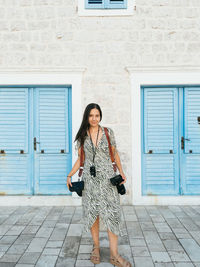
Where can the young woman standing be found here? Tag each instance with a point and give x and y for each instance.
(100, 199)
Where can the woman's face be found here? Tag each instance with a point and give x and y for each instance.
(94, 117)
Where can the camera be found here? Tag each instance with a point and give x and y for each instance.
(93, 171)
(116, 181)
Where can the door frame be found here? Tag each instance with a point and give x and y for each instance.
(151, 76)
(35, 77)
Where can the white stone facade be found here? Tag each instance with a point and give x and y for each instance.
(45, 34)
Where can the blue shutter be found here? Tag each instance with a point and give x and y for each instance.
(160, 142)
(14, 166)
(106, 4)
(94, 4)
(116, 4)
(14, 119)
(52, 118)
(191, 152)
(52, 131)
(192, 111)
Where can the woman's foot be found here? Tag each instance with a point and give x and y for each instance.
(95, 255)
(119, 261)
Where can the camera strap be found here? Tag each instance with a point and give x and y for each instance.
(81, 162)
(110, 150)
(94, 149)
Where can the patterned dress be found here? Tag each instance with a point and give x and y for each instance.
(99, 196)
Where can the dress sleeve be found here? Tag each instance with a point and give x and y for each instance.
(112, 138)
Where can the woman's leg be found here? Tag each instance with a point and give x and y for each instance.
(95, 235)
(95, 232)
(113, 240)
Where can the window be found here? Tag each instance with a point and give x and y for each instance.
(105, 4)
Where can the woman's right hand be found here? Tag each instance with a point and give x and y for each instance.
(69, 182)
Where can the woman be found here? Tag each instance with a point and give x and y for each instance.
(100, 198)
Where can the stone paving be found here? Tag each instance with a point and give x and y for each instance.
(48, 236)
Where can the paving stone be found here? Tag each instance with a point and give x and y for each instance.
(137, 242)
(140, 251)
(104, 264)
(85, 248)
(29, 257)
(2, 253)
(16, 230)
(24, 239)
(17, 249)
(192, 249)
(59, 233)
(160, 257)
(174, 223)
(147, 226)
(162, 227)
(134, 230)
(44, 232)
(178, 256)
(54, 244)
(7, 264)
(4, 229)
(24, 265)
(164, 264)
(84, 256)
(70, 247)
(37, 245)
(85, 263)
(75, 230)
(172, 245)
(46, 261)
(167, 236)
(51, 251)
(49, 223)
(10, 258)
(183, 236)
(143, 262)
(8, 239)
(183, 264)
(4, 247)
(31, 229)
(65, 262)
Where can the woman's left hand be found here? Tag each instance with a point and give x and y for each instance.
(124, 177)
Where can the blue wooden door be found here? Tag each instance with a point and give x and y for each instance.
(52, 148)
(171, 141)
(190, 145)
(15, 156)
(160, 159)
(35, 140)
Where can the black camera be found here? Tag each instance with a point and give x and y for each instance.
(93, 171)
(116, 181)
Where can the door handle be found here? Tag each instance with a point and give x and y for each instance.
(35, 144)
(183, 141)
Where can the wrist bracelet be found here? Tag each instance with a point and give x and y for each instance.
(69, 176)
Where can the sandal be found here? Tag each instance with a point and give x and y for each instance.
(115, 261)
(95, 258)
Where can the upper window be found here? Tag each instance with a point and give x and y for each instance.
(105, 4)
(106, 7)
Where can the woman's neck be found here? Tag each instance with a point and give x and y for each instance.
(94, 129)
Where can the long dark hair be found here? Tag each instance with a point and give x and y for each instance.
(82, 132)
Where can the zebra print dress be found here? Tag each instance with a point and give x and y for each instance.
(99, 196)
